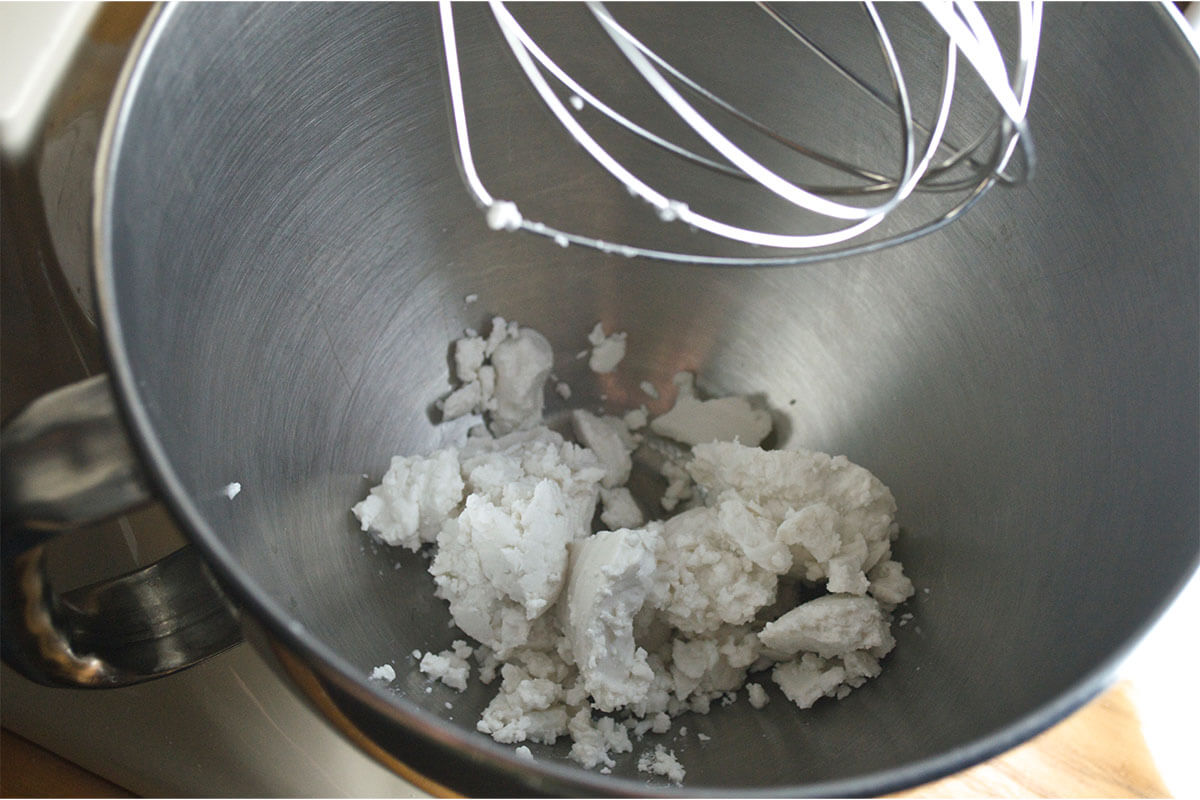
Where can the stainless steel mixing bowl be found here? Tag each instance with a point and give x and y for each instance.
(283, 248)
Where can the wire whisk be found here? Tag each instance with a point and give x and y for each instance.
(931, 164)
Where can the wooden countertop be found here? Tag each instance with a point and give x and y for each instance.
(1097, 752)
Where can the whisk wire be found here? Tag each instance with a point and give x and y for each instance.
(767, 178)
(967, 32)
(590, 99)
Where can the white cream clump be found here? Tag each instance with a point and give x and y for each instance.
(602, 636)
(502, 556)
(756, 695)
(501, 376)
(612, 572)
(610, 440)
(411, 503)
(662, 762)
(384, 672)
(620, 509)
(636, 419)
(695, 421)
(451, 667)
(607, 351)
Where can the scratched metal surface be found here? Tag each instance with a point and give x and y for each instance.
(985, 374)
(290, 248)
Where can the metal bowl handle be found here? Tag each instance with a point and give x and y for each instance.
(65, 462)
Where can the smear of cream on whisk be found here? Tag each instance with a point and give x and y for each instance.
(504, 215)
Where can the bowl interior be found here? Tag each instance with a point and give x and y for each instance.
(290, 246)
